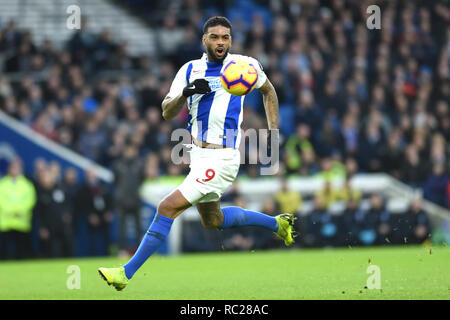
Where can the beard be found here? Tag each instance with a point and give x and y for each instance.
(212, 55)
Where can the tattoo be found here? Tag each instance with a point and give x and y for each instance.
(270, 101)
(211, 214)
(212, 219)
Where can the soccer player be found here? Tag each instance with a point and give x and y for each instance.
(214, 115)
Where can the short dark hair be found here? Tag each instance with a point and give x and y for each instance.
(216, 21)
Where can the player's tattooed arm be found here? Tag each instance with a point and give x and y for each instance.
(171, 106)
(270, 101)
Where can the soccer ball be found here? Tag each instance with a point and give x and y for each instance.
(238, 77)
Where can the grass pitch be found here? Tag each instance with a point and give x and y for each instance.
(406, 272)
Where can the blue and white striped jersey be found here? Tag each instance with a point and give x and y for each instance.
(214, 117)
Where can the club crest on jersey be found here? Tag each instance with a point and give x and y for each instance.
(215, 84)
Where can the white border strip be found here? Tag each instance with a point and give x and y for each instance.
(55, 148)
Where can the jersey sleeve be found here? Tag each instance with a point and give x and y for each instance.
(262, 77)
(179, 82)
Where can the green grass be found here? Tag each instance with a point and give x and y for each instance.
(406, 273)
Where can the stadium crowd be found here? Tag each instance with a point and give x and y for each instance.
(351, 99)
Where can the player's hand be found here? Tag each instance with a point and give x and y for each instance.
(200, 86)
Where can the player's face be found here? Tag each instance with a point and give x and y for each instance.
(217, 42)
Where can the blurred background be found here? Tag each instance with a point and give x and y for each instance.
(85, 153)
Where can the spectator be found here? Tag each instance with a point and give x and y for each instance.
(391, 156)
(381, 218)
(54, 218)
(169, 36)
(94, 203)
(17, 200)
(148, 93)
(69, 185)
(327, 195)
(321, 226)
(436, 186)
(331, 168)
(332, 98)
(348, 193)
(413, 226)
(413, 171)
(81, 44)
(328, 140)
(115, 150)
(350, 133)
(189, 48)
(351, 167)
(369, 152)
(289, 201)
(308, 111)
(370, 226)
(421, 227)
(92, 140)
(129, 173)
(102, 48)
(308, 165)
(351, 224)
(296, 145)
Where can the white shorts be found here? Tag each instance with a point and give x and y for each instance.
(212, 173)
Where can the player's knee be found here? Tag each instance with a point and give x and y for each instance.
(165, 208)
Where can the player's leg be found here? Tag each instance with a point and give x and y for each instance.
(215, 217)
(168, 209)
(228, 217)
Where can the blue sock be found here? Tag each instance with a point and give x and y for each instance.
(238, 217)
(152, 240)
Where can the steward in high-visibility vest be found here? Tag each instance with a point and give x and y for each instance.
(17, 200)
